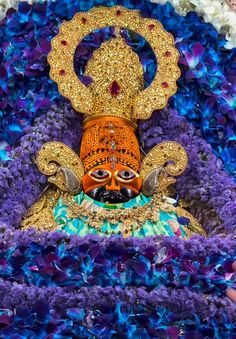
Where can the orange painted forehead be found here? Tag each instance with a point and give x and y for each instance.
(109, 167)
(107, 138)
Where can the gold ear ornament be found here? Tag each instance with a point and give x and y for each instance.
(83, 99)
(62, 165)
(164, 161)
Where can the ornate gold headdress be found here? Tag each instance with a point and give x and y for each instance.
(117, 88)
(112, 103)
(115, 99)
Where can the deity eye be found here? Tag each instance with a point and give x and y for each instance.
(126, 175)
(99, 174)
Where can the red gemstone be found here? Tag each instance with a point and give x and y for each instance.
(114, 88)
(118, 12)
(150, 27)
(167, 53)
(64, 42)
(62, 72)
(84, 20)
(165, 84)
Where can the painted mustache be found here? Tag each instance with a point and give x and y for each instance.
(111, 196)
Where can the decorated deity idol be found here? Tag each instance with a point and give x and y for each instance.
(110, 187)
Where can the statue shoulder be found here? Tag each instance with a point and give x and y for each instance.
(40, 215)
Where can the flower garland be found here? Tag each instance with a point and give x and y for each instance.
(206, 88)
(21, 182)
(196, 246)
(208, 190)
(221, 14)
(90, 297)
(104, 312)
(45, 307)
(119, 263)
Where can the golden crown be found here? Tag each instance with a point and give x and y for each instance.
(117, 87)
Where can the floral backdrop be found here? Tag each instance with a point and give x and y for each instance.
(58, 286)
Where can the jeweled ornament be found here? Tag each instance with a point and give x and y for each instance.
(109, 188)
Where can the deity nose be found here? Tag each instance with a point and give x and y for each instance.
(113, 185)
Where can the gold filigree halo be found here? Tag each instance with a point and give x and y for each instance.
(61, 58)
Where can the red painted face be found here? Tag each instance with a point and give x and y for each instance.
(112, 179)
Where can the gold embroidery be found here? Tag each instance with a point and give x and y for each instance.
(40, 215)
(131, 219)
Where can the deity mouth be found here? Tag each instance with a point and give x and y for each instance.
(111, 196)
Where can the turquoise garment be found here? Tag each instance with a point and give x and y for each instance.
(79, 225)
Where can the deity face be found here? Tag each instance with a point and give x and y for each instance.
(111, 185)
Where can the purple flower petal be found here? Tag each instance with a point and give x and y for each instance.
(198, 50)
